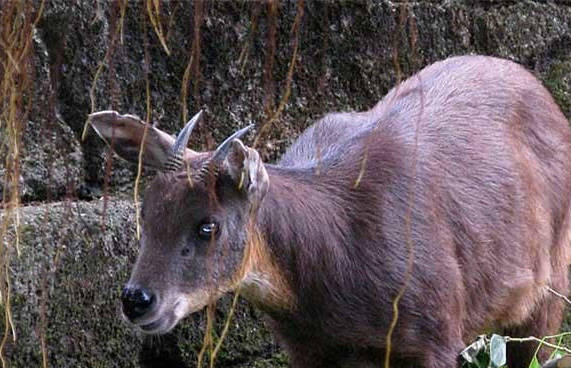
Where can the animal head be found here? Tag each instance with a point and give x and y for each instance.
(196, 218)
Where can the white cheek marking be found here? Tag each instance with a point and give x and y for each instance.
(260, 279)
(266, 289)
(190, 303)
(257, 286)
(193, 302)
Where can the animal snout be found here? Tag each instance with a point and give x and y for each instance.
(136, 302)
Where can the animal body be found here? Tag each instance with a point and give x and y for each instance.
(455, 186)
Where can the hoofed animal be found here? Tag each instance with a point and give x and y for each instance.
(455, 186)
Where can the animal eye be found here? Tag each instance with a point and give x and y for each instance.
(207, 229)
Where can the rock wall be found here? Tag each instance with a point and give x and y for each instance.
(76, 255)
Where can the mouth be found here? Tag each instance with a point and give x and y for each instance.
(163, 322)
(153, 326)
(160, 326)
(166, 316)
(158, 323)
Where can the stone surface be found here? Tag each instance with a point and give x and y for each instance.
(51, 158)
(74, 259)
(350, 54)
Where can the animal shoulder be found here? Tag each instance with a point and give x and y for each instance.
(328, 139)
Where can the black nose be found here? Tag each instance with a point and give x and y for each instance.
(136, 302)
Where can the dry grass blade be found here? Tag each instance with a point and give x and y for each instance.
(184, 88)
(225, 329)
(270, 57)
(122, 19)
(410, 245)
(207, 342)
(295, 34)
(117, 33)
(566, 299)
(243, 58)
(542, 341)
(18, 20)
(192, 69)
(146, 68)
(362, 170)
(408, 236)
(154, 12)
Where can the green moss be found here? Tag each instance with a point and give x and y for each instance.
(276, 361)
(558, 81)
(70, 275)
(74, 259)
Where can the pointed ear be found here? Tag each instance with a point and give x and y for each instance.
(124, 133)
(246, 170)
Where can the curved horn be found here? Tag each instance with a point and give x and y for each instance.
(210, 167)
(174, 161)
(222, 150)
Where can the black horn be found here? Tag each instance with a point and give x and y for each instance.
(174, 161)
(222, 150)
(210, 167)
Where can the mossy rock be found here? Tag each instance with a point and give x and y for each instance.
(74, 259)
(350, 54)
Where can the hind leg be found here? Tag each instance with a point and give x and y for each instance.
(442, 351)
(445, 357)
(545, 320)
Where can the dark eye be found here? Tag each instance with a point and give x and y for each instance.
(207, 229)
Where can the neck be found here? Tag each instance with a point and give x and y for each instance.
(299, 236)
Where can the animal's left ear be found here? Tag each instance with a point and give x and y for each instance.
(246, 170)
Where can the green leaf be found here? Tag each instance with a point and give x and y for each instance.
(497, 351)
(470, 353)
(534, 363)
(483, 360)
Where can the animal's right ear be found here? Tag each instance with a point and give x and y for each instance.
(245, 168)
(124, 134)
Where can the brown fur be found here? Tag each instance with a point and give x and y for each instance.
(260, 279)
(464, 166)
(489, 219)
